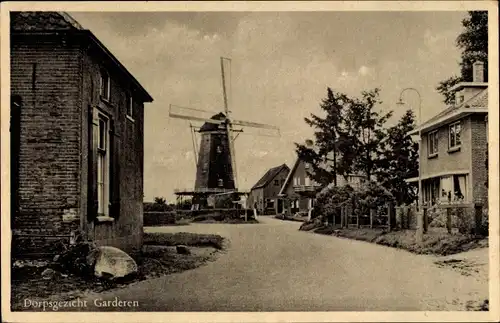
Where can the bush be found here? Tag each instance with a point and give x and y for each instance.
(156, 207)
(152, 218)
(372, 195)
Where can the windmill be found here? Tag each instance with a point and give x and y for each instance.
(216, 170)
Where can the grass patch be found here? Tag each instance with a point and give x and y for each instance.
(184, 238)
(435, 242)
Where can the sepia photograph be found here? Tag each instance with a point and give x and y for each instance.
(244, 158)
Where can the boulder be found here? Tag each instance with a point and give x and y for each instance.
(48, 274)
(183, 250)
(111, 263)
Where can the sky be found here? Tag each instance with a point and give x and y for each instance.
(282, 64)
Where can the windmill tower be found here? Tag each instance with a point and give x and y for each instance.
(216, 164)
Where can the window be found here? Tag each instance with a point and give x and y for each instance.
(104, 86)
(219, 149)
(459, 189)
(130, 106)
(220, 182)
(433, 143)
(102, 166)
(276, 182)
(282, 182)
(455, 130)
(307, 166)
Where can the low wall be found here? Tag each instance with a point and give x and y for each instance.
(170, 217)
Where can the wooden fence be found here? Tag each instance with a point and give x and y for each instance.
(468, 216)
(347, 218)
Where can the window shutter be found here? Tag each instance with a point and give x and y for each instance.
(93, 133)
(114, 172)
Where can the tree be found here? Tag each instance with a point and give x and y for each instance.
(328, 136)
(399, 160)
(366, 132)
(348, 138)
(473, 41)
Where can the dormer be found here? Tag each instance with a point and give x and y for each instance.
(466, 90)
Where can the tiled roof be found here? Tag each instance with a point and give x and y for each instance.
(269, 176)
(480, 100)
(42, 21)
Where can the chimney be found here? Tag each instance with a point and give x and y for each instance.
(478, 72)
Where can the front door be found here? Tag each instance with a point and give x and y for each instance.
(280, 206)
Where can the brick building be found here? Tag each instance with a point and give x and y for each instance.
(455, 145)
(264, 194)
(77, 138)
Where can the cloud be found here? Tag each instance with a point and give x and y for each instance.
(364, 70)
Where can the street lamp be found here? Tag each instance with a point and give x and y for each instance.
(400, 102)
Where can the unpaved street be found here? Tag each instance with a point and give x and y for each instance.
(272, 266)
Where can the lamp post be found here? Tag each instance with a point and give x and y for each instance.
(400, 102)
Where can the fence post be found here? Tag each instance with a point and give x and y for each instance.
(478, 214)
(419, 234)
(348, 215)
(425, 219)
(391, 216)
(406, 216)
(448, 220)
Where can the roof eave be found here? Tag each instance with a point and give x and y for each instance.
(461, 85)
(460, 113)
(147, 97)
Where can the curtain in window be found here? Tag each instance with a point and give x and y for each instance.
(446, 187)
(461, 182)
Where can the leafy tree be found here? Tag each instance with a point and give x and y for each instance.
(399, 160)
(328, 136)
(160, 201)
(473, 41)
(366, 132)
(348, 138)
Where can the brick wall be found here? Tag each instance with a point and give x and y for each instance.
(45, 73)
(125, 232)
(479, 148)
(57, 79)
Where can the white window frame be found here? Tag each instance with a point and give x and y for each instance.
(433, 142)
(105, 75)
(452, 144)
(103, 180)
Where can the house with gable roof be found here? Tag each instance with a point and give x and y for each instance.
(77, 139)
(264, 194)
(299, 189)
(455, 144)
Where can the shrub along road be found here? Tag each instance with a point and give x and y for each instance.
(272, 266)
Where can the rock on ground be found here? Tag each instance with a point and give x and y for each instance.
(183, 250)
(112, 262)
